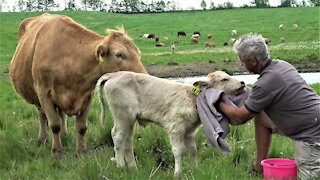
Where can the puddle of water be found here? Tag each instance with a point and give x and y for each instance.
(311, 78)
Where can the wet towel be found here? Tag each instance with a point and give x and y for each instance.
(216, 125)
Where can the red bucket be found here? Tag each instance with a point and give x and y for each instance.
(279, 169)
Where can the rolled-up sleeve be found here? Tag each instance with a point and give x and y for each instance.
(259, 99)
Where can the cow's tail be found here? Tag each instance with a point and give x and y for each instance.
(99, 86)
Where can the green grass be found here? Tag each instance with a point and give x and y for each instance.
(21, 158)
(300, 44)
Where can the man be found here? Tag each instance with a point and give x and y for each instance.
(281, 102)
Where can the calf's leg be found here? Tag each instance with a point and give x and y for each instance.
(119, 142)
(178, 150)
(190, 143)
(129, 155)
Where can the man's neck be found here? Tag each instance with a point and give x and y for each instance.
(265, 65)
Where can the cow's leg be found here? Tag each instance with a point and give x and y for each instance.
(81, 126)
(43, 127)
(178, 150)
(118, 137)
(129, 155)
(190, 143)
(64, 127)
(53, 120)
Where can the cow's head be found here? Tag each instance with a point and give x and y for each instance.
(117, 52)
(223, 81)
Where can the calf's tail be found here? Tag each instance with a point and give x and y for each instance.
(99, 86)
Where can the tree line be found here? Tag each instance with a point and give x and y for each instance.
(137, 6)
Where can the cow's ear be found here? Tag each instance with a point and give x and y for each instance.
(101, 52)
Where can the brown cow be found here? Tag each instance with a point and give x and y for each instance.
(56, 66)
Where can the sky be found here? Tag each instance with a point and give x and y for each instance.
(181, 4)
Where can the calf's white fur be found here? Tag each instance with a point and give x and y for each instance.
(144, 98)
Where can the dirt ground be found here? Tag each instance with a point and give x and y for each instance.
(203, 68)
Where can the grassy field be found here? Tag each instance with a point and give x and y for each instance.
(301, 45)
(21, 158)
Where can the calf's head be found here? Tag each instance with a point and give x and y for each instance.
(223, 81)
(117, 52)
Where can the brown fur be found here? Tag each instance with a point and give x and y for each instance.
(56, 66)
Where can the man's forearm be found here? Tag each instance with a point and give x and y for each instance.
(241, 115)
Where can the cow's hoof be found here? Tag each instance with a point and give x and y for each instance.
(42, 142)
(57, 154)
(81, 151)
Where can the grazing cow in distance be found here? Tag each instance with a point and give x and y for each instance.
(233, 32)
(56, 65)
(267, 40)
(210, 36)
(181, 33)
(209, 44)
(151, 36)
(232, 40)
(282, 39)
(295, 26)
(157, 38)
(160, 44)
(173, 47)
(195, 36)
(281, 26)
(167, 103)
(197, 32)
(144, 36)
(194, 40)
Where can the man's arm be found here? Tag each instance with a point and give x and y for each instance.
(241, 115)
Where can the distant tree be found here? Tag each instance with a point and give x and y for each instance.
(260, 3)
(2, 4)
(228, 5)
(225, 5)
(21, 5)
(95, 4)
(171, 5)
(71, 5)
(315, 2)
(212, 7)
(287, 3)
(85, 4)
(31, 5)
(160, 6)
(113, 6)
(46, 4)
(203, 5)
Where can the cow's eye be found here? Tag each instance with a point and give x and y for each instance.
(225, 79)
(120, 55)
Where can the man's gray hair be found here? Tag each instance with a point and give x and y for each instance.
(250, 46)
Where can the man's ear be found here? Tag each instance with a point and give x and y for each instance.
(101, 52)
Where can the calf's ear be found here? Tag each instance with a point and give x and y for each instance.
(202, 84)
(101, 53)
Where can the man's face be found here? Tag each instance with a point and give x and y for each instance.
(250, 65)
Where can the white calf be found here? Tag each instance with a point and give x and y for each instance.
(140, 97)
